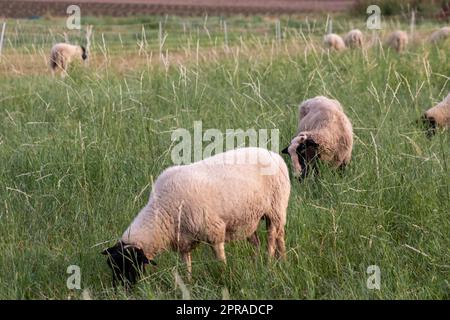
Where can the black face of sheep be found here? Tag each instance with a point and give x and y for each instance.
(127, 263)
(430, 124)
(84, 54)
(308, 154)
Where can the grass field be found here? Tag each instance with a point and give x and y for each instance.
(78, 155)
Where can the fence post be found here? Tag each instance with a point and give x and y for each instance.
(2, 36)
(225, 32)
(88, 42)
(278, 30)
(413, 22)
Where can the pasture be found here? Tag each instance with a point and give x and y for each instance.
(78, 155)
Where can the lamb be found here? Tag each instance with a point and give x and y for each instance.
(440, 35)
(215, 200)
(397, 40)
(324, 132)
(62, 54)
(334, 41)
(354, 39)
(437, 116)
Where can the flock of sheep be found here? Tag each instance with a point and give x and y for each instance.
(397, 40)
(223, 198)
(216, 200)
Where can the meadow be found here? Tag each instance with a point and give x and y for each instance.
(78, 155)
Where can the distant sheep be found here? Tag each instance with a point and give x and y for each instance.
(216, 200)
(334, 41)
(63, 53)
(437, 116)
(324, 133)
(440, 35)
(397, 40)
(354, 39)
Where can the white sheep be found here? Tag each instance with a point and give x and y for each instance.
(397, 40)
(440, 35)
(324, 133)
(63, 53)
(334, 41)
(354, 39)
(216, 200)
(438, 116)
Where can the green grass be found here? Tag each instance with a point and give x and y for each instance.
(77, 157)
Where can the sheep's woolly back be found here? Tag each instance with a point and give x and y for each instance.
(397, 40)
(334, 41)
(440, 35)
(218, 199)
(354, 39)
(62, 54)
(440, 113)
(323, 120)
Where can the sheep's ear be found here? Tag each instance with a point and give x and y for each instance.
(285, 150)
(112, 250)
(139, 253)
(106, 251)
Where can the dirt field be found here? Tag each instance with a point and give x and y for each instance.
(35, 8)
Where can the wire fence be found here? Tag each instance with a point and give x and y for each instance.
(171, 35)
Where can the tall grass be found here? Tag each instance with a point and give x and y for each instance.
(77, 158)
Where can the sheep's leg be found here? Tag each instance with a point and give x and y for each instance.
(254, 240)
(271, 237)
(63, 67)
(219, 250)
(188, 261)
(281, 249)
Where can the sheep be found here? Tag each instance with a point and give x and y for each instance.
(324, 132)
(440, 35)
(397, 40)
(437, 116)
(63, 53)
(215, 200)
(334, 41)
(354, 39)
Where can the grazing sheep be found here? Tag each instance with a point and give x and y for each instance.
(354, 39)
(334, 41)
(397, 40)
(63, 53)
(440, 35)
(437, 116)
(216, 200)
(324, 132)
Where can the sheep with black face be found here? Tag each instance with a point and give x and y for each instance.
(216, 200)
(334, 41)
(437, 117)
(324, 133)
(397, 40)
(63, 53)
